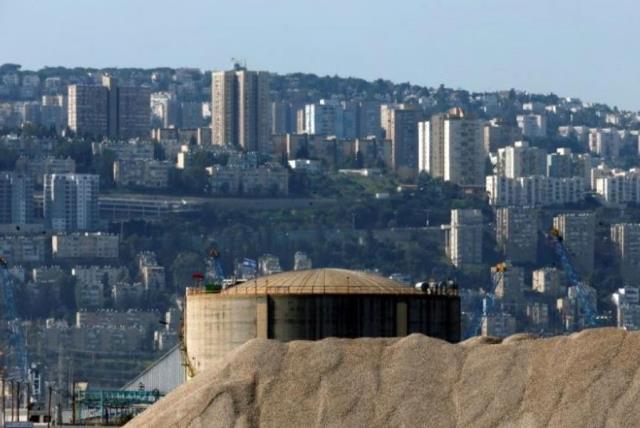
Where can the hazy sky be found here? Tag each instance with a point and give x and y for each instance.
(582, 48)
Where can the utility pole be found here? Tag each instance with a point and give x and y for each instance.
(73, 403)
(49, 408)
(4, 419)
(28, 399)
(18, 401)
(13, 400)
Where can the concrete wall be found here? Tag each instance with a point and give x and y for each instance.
(216, 324)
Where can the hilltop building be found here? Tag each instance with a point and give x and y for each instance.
(71, 202)
(109, 110)
(451, 148)
(241, 109)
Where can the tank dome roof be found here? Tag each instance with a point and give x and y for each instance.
(321, 281)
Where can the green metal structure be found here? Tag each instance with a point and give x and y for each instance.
(111, 406)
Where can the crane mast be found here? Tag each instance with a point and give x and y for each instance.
(17, 340)
(585, 303)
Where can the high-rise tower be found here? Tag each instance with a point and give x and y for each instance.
(240, 108)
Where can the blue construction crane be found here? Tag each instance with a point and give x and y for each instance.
(17, 341)
(585, 303)
(215, 272)
(214, 256)
(488, 302)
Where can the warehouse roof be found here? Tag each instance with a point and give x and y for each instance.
(321, 281)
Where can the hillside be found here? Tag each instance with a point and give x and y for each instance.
(590, 379)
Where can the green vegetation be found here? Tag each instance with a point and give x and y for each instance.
(352, 233)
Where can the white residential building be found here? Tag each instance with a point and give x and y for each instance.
(532, 125)
(605, 142)
(71, 202)
(464, 155)
(301, 261)
(268, 264)
(451, 147)
(548, 281)
(627, 302)
(617, 187)
(534, 191)
(463, 238)
(324, 118)
(580, 133)
(520, 160)
(85, 246)
(564, 164)
(141, 173)
(424, 147)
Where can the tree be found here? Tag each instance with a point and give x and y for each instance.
(79, 151)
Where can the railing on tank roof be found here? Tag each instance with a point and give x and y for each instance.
(248, 290)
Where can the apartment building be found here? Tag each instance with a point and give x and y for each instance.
(16, 198)
(578, 233)
(85, 246)
(451, 147)
(548, 281)
(400, 126)
(626, 241)
(521, 160)
(266, 180)
(88, 110)
(532, 125)
(565, 164)
(153, 174)
(241, 109)
(23, 248)
(497, 135)
(627, 303)
(509, 285)
(109, 110)
(605, 142)
(534, 191)
(71, 202)
(463, 238)
(517, 233)
(617, 187)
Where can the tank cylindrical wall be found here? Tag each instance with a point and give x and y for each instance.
(215, 324)
(315, 317)
(435, 316)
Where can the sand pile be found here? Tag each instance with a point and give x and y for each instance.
(590, 379)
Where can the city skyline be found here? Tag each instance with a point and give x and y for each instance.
(537, 47)
(201, 188)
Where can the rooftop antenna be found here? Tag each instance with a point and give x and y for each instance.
(239, 64)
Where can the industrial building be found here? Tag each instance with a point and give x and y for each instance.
(311, 305)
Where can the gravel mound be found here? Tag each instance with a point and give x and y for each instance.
(589, 379)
